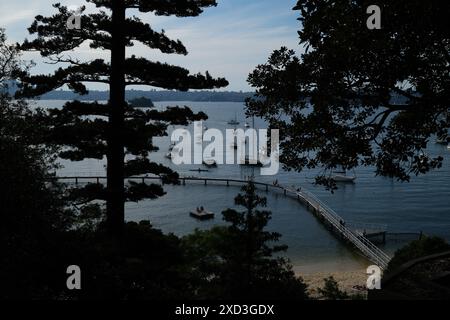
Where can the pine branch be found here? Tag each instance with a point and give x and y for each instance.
(136, 30)
(73, 76)
(179, 8)
(140, 166)
(94, 130)
(163, 75)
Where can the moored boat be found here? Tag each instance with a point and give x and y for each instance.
(234, 121)
(341, 176)
(202, 214)
(210, 163)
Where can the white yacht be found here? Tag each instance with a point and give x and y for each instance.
(342, 176)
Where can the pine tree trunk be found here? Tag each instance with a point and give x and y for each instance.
(115, 157)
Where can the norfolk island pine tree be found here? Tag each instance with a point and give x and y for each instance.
(118, 128)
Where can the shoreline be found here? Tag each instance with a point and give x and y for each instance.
(351, 277)
(351, 281)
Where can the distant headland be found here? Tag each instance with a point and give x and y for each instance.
(154, 95)
(167, 95)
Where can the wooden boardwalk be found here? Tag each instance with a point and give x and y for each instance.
(324, 213)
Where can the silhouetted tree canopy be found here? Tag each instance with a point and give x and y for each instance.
(32, 211)
(358, 96)
(10, 65)
(117, 129)
(416, 249)
(243, 259)
(331, 291)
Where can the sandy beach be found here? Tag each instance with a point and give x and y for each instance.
(352, 282)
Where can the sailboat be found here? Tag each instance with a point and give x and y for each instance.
(234, 143)
(252, 162)
(199, 138)
(341, 176)
(234, 121)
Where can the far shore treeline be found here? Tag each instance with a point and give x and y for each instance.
(154, 95)
(166, 95)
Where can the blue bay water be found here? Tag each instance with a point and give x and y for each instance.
(421, 205)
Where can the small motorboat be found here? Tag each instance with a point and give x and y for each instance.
(202, 214)
(343, 178)
(210, 163)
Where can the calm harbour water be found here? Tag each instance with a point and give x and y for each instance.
(421, 205)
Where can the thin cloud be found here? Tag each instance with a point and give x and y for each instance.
(229, 41)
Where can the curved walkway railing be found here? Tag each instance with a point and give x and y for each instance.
(366, 247)
(371, 251)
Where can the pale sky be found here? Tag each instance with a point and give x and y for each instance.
(229, 40)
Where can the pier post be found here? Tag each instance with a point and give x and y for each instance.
(76, 181)
(228, 183)
(206, 182)
(184, 182)
(285, 192)
(98, 180)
